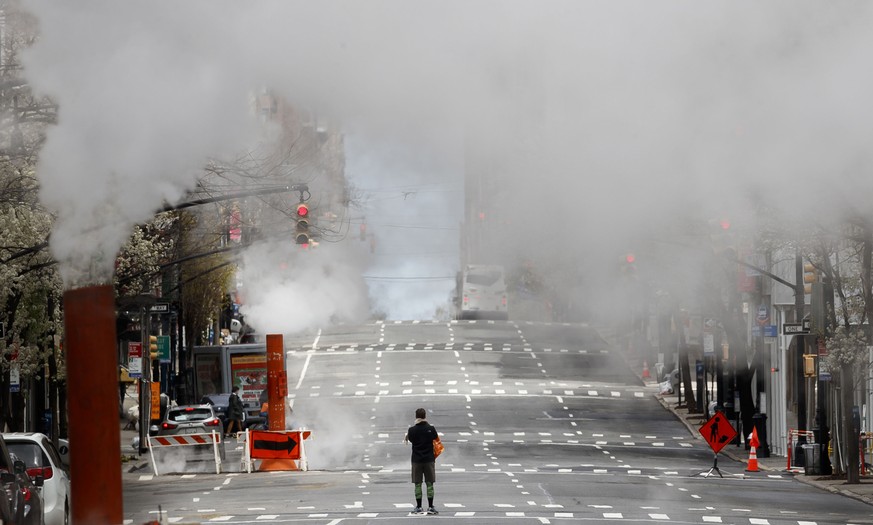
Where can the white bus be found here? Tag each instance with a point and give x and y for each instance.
(483, 293)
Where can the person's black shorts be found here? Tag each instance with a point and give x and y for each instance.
(423, 470)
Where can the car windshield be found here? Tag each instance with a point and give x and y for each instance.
(483, 279)
(217, 399)
(28, 452)
(184, 415)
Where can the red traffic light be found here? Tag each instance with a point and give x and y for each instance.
(302, 210)
(725, 224)
(629, 258)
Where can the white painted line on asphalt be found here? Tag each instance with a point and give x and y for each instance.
(563, 514)
(712, 519)
(267, 517)
(146, 477)
(759, 521)
(659, 516)
(613, 515)
(464, 514)
(306, 365)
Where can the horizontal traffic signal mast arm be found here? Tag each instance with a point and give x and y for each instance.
(303, 188)
(743, 263)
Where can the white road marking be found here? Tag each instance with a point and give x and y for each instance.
(267, 517)
(613, 515)
(306, 364)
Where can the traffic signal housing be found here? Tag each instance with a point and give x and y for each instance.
(153, 347)
(629, 268)
(301, 229)
(810, 275)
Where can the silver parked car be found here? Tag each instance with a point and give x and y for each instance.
(190, 419)
(193, 419)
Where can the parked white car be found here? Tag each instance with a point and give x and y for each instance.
(42, 459)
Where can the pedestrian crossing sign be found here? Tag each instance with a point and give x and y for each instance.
(718, 432)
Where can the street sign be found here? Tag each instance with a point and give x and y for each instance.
(14, 378)
(807, 324)
(276, 445)
(763, 316)
(718, 432)
(160, 308)
(164, 348)
(156, 401)
(794, 329)
(134, 359)
(824, 376)
(769, 330)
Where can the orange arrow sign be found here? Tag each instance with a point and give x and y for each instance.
(276, 445)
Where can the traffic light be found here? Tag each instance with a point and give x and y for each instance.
(301, 230)
(722, 239)
(629, 268)
(808, 365)
(153, 347)
(810, 275)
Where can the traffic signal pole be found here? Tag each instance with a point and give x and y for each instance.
(800, 380)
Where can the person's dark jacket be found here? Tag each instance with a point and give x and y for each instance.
(421, 435)
(235, 408)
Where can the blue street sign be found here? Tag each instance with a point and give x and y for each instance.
(769, 330)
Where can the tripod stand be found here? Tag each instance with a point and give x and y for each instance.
(714, 468)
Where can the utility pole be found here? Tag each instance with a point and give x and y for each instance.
(820, 428)
(800, 380)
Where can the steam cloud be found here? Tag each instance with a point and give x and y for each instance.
(613, 117)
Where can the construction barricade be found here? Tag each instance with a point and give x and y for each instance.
(865, 448)
(793, 437)
(275, 450)
(158, 443)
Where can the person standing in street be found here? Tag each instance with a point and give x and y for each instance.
(421, 435)
(234, 411)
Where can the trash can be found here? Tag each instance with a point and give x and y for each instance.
(812, 459)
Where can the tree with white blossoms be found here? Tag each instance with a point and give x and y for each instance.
(30, 292)
(847, 359)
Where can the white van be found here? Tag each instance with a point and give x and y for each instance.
(483, 293)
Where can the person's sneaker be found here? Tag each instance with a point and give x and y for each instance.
(417, 510)
(431, 510)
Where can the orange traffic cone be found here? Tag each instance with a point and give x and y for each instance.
(646, 374)
(753, 452)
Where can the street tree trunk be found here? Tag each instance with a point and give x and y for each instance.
(849, 431)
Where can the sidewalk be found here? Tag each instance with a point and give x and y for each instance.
(862, 492)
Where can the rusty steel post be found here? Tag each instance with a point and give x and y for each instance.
(92, 382)
(277, 381)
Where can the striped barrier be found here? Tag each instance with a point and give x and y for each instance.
(183, 440)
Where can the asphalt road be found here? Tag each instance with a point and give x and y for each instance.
(542, 424)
